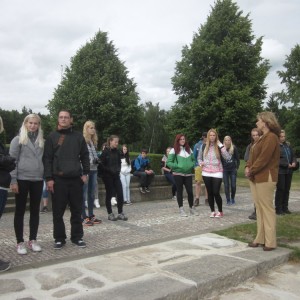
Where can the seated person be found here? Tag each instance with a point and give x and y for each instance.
(143, 170)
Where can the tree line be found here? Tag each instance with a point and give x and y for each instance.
(219, 82)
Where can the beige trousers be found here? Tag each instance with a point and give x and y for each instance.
(263, 195)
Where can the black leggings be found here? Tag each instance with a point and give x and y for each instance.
(35, 189)
(213, 186)
(186, 181)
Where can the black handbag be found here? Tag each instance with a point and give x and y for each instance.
(7, 163)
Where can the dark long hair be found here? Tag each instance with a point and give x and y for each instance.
(125, 155)
(177, 145)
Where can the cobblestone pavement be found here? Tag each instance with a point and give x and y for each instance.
(149, 223)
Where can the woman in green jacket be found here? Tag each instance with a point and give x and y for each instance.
(181, 161)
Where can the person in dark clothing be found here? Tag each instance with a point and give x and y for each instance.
(67, 164)
(109, 168)
(230, 168)
(286, 164)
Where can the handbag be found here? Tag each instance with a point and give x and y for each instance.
(296, 168)
(7, 163)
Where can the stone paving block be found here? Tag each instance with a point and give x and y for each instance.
(11, 285)
(117, 268)
(156, 287)
(266, 259)
(65, 292)
(214, 271)
(91, 282)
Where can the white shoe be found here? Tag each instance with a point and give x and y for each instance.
(34, 246)
(182, 212)
(85, 204)
(113, 201)
(193, 211)
(96, 203)
(21, 249)
(174, 198)
(212, 214)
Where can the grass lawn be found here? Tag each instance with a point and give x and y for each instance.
(288, 226)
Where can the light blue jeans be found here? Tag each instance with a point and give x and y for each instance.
(125, 180)
(89, 194)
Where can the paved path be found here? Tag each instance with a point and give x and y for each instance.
(155, 240)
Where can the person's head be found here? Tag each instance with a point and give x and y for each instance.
(124, 149)
(282, 137)
(266, 121)
(65, 119)
(144, 152)
(181, 141)
(227, 142)
(31, 125)
(204, 137)
(113, 141)
(1, 125)
(168, 150)
(255, 134)
(89, 132)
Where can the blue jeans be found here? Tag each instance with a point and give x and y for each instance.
(229, 176)
(125, 180)
(89, 194)
(3, 199)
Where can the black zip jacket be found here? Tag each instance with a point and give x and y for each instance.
(70, 159)
(110, 162)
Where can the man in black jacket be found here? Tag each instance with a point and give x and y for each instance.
(64, 154)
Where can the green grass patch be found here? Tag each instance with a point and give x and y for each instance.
(288, 232)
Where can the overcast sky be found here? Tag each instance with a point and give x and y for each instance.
(38, 38)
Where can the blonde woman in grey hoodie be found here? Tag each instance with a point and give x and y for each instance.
(27, 148)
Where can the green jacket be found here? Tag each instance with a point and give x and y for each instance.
(182, 163)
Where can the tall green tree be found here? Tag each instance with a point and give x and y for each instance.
(291, 95)
(96, 87)
(220, 78)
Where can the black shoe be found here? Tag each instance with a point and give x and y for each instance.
(122, 217)
(80, 243)
(280, 213)
(253, 216)
(44, 210)
(288, 212)
(4, 265)
(58, 245)
(196, 202)
(111, 217)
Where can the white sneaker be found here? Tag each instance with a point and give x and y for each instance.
(174, 198)
(212, 214)
(85, 204)
(113, 201)
(34, 246)
(96, 203)
(182, 212)
(193, 211)
(21, 249)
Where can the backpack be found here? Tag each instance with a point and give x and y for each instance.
(132, 166)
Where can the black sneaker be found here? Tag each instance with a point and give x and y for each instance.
(122, 217)
(44, 210)
(111, 217)
(142, 190)
(147, 189)
(58, 245)
(287, 212)
(127, 202)
(4, 265)
(253, 216)
(80, 243)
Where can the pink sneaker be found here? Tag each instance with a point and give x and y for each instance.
(212, 215)
(219, 214)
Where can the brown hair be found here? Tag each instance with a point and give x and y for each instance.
(270, 120)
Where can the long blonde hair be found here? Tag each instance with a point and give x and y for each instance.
(88, 137)
(23, 136)
(231, 148)
(215, 143)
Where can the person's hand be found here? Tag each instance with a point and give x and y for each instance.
(84, 178)
(148, 172)
(293, 165)
(50, 186)
(14, 188)
(247, 172)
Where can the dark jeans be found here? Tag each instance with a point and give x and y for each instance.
(3, 199)
(89, 194)
(113, 185)
(35, 189)
(213, 186)
(145, 179)
(283, 192)
(229, 178)
(67, 191)
(170, 178)
(186, 181)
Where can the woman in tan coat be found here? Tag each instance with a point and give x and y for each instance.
(262, 171)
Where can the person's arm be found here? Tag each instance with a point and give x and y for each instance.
(171, 159)
(247, 153)
(237, 157)
(84, 157)
(14, 151)
(137, 164)
(200, 155)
